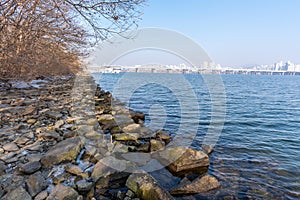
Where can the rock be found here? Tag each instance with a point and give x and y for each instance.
(105, 117)
(146, 187)
(162, 135)
(31, 121)
(17, 194)
(28, 111)
(137, 116)
(62, 192)
(139, 158)
(10, 147)
(130, 194)
(74, 169)
(124, 137)
(48, 134)
(132, 128)
(36, 183)
(53, 115)
(199, 185)
(59, 123)
(182, 160)
(42, 195)
(2, 168)
(66, 150)
(156, 145)
(84, 185)
(109, 166)
(145, 147)
(30, 167)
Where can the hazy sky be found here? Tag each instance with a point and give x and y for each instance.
(233, 32)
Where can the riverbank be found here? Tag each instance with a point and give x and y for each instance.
(62, 138)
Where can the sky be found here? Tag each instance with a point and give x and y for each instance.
(233, 32)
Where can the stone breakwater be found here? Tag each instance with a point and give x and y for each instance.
(66, 140)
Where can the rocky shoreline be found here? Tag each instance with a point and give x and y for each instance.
(64, 139)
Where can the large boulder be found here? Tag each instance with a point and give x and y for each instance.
(146, 187)
(199, 185)
(64, 151)
(182, 160)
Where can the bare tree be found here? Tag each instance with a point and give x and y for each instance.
(44, 37)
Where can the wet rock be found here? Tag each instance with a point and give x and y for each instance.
(146, 187)
(84, 185)
(17, 194)
(207, 148)
(66, 150)
(132, 128)
(137, 117)
(109, 166)
(199, 185)
(183, 160)
(36, 183)
(145, 147)
(63, 192)
(156, 145)
(10, 147)
(30, 167)
(125, 137)
(162, 135)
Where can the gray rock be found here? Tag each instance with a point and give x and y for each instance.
(110, 166)
(132, 128)
(146, 187)
(48, 134)
(61, 192)
(66, 150)
(36, 183)
(41, 196)
(2, 168)
(17, 194)
(10, 147)
(84, 185)
(30, 167)
(130, 194)
(199, 185)
(53, 115)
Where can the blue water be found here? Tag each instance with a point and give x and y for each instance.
(257, 155)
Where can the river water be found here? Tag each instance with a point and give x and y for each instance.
(257, 155)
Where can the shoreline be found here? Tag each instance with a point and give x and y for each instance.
(61, 143)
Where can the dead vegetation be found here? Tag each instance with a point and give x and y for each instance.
(49, 37)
